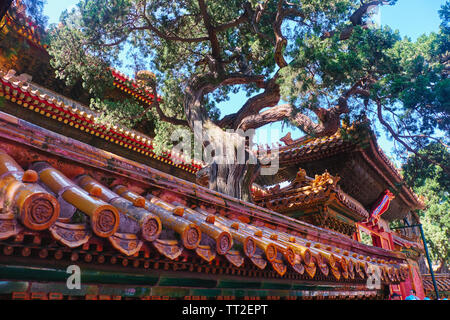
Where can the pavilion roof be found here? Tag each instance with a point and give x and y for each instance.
(357, 137)
(33, 34)
(26, 28)
(59, 108)
(404, 241)
(442, 282)
(55, 107)
(356, 133)
(305, 192)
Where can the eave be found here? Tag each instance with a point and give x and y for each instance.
(361, 142)
(27, 143)
(56, 108)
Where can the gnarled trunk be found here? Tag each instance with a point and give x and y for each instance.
(233, 179)
(232, 168)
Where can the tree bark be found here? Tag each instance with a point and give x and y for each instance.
(229, 172)
(233, 179)
(230, 175)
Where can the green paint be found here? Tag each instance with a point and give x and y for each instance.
(118, 277)
(279, 293)
(228, 292)
(239, 293)
(13, 286)
(296, 214)
(46, 279)
(7, 287)
(171, 281)
(342, 215)
(258, 293)
(206, 292)
(87, 276)
(312, 287)
(174, 292)
(276, 285)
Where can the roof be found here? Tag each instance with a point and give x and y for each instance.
(117, 205)
(305, 192)
(131, 87)
(33, 33)
(442, 282)
(402, 241)
(28, 30)
(82, 115)
(48, 104)
(348, 135)
(357, 138)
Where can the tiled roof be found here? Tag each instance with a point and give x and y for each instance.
(81, 212)
(28, 29)
(24, 93)
(33, 33)
(46, 198)
(130, 86)
(407, 243)
(442, 282)
(305, 192)
(81, 114)
(355, 137)
(313, 147)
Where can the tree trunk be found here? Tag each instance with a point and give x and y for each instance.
(234, 180)
(442, 268)
(234, 174)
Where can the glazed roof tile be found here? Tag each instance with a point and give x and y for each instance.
(407, 243)
(19, 90)
(33, 33)
(88, 212)
(28, 30)
(130, 86)
(442, 282)
(304, 192)
(358, 135)
(80, 116)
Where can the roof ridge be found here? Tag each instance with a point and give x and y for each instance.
(37, 98)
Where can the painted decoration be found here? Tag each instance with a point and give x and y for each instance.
(382, 205)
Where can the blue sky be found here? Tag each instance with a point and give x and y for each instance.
(411, 17)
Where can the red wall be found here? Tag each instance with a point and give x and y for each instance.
(384, 240)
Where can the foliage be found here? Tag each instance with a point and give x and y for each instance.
(416, 170)
(406, 74)
(116, 113)
(34, 9)
(73, 62)
(436, 220)
(431, 182)
(10, 44)
(366, 238)
(128, 113)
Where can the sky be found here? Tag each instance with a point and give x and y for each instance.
(411, 18)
